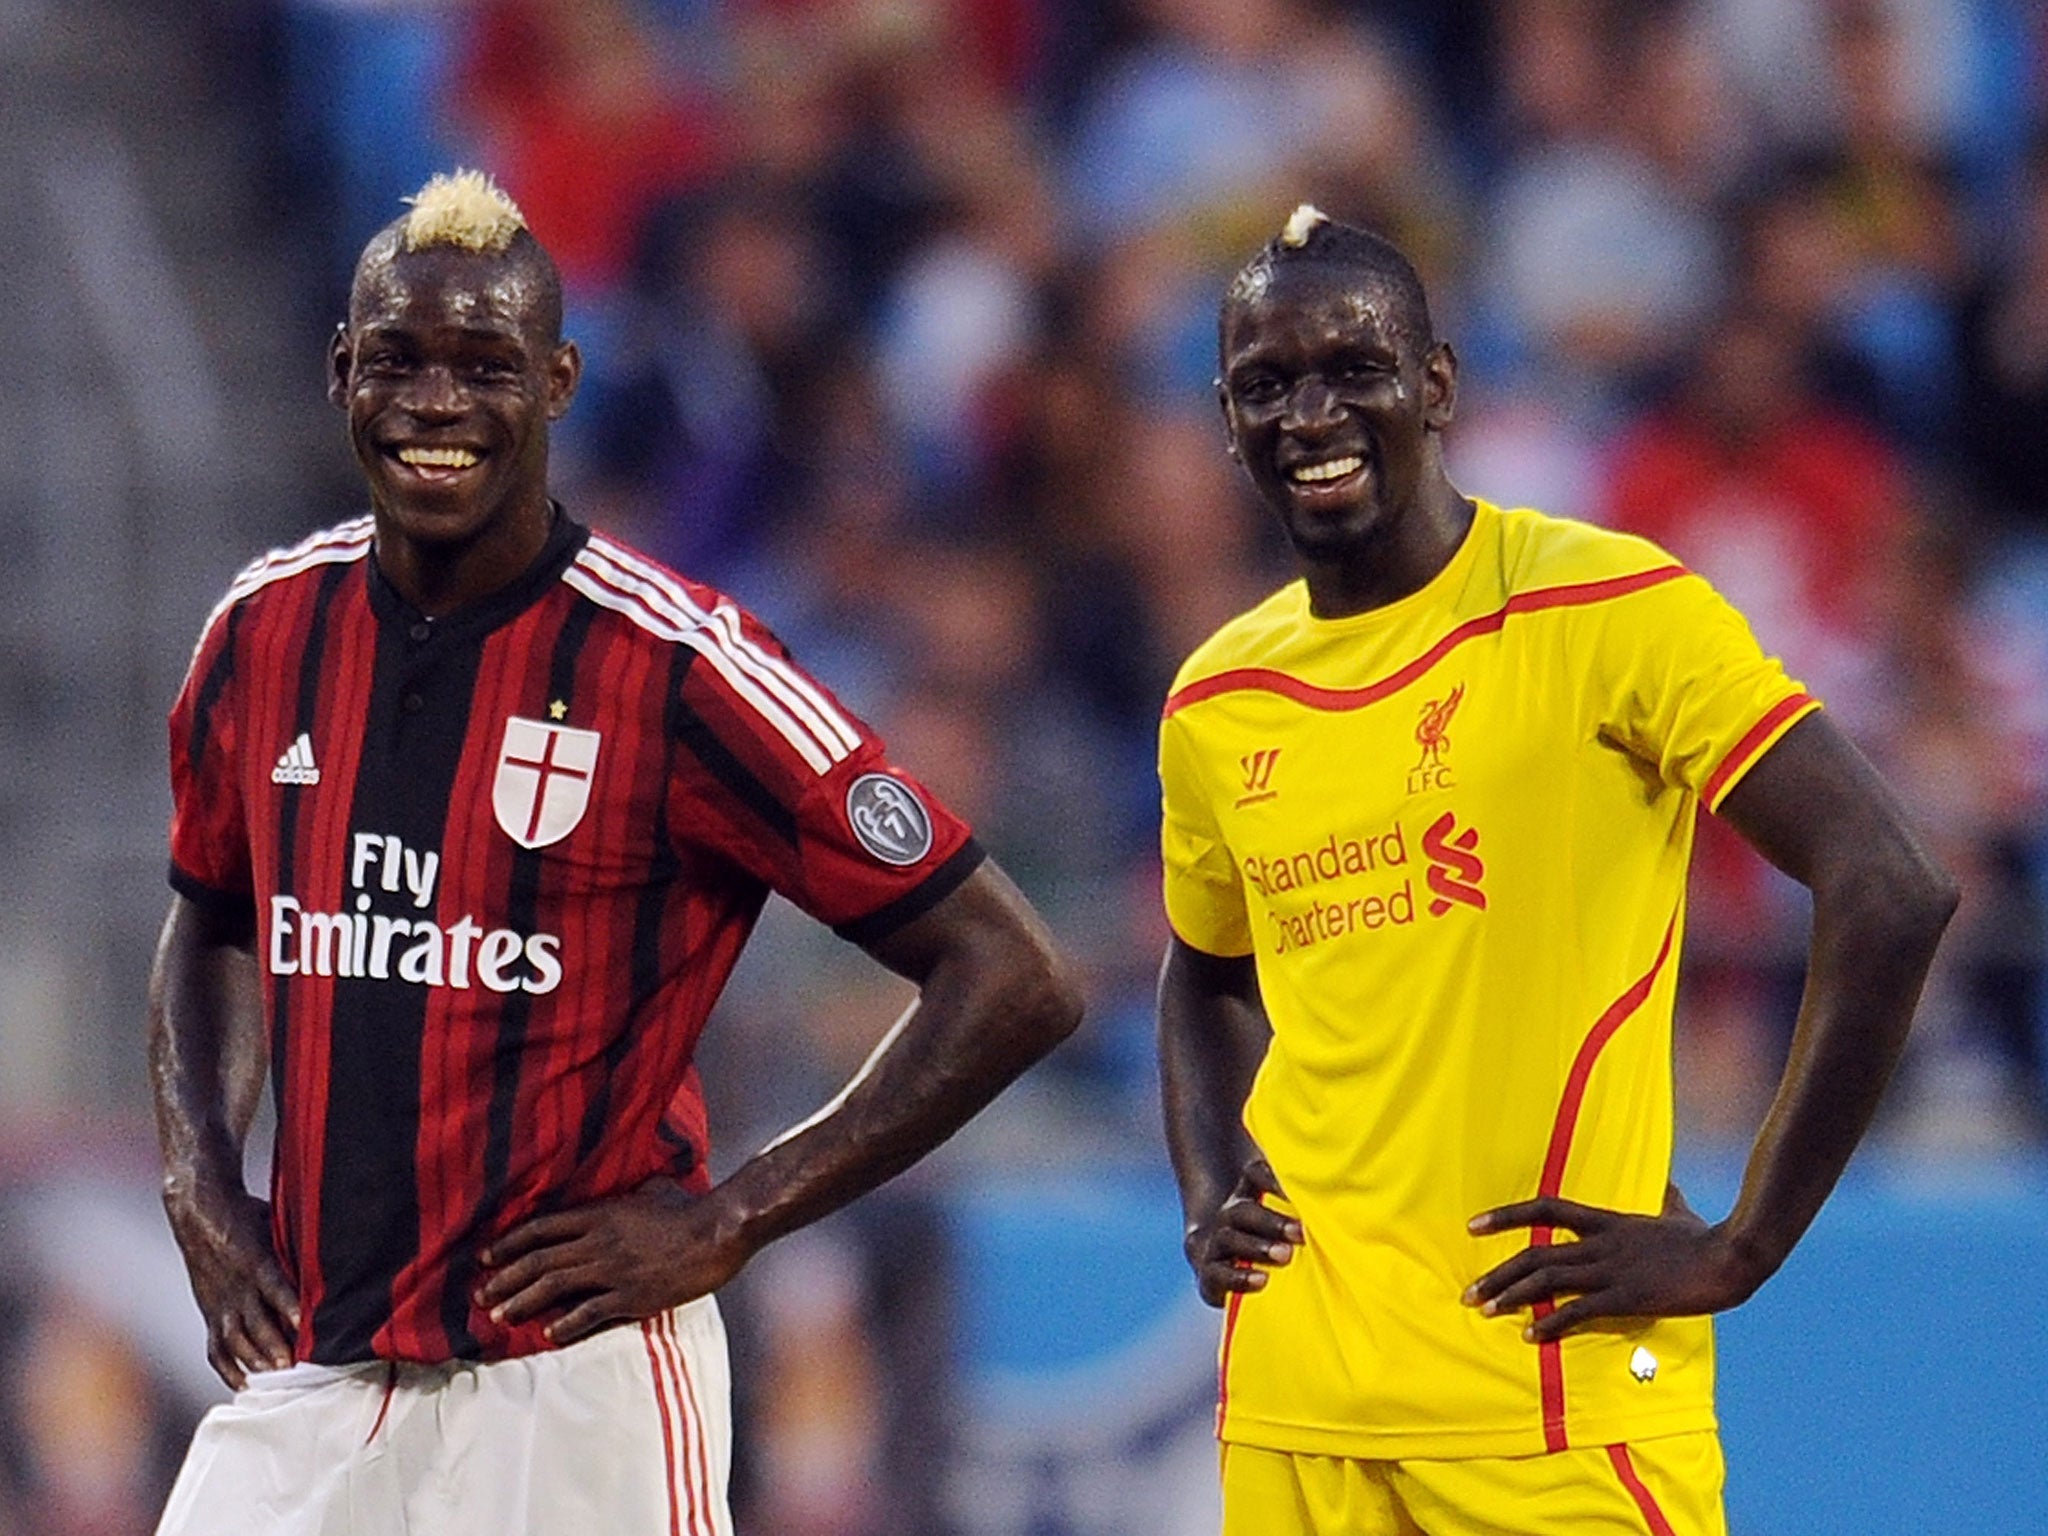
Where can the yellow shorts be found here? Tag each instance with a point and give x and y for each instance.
(1669, 1486)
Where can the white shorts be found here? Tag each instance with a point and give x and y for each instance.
(627, 1432)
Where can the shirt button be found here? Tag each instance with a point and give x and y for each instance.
(412, 703)
(421, 630)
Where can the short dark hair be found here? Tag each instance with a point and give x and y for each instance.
(1312, 238)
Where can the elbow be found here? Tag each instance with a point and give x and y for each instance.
(1906, 899)
(1944, 898)
(1928, 898)
(1040, 997)
(1059, 1003)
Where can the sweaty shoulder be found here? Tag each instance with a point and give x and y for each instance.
(743, 664)
(1539, 551)
(341, 544)
(344, 543)
(1248, 639)
(658, 601)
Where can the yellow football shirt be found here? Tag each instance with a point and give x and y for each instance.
(1453, 832)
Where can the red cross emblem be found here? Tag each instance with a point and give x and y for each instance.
(543, 781)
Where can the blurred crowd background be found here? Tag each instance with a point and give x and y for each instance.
(899, 318)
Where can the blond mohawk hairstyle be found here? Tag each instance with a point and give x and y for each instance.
(1300, 224)
(466, 209)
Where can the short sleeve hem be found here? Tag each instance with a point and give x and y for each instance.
(1213, 951)
(1757, 740)
(235, 904)
(936, 887)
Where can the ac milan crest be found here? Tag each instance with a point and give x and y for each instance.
(543, 780)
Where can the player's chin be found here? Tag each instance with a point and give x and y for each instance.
(1332, 533)
(436, 520)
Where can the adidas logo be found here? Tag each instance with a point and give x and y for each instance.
(296, 766)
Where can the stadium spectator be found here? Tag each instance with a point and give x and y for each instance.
(570, 101)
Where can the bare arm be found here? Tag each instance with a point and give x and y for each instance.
(206, 1062)
(993, 997)
(1213, 1034)
(1815, 808)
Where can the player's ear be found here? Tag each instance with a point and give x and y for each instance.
(340, 357)
(1439, 387)
(565, 372)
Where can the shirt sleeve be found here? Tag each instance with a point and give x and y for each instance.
(780, 778)
(209, 832)
(1205, 900)
(1686, 687)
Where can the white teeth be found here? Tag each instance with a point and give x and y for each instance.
(437, 458)
(1333, 469)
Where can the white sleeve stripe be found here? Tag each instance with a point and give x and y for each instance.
(723, 624)
(727, 619)
(593, 585)
(721, 627)
(332, 546)
(707, 639)
(343, 543)
(788, 680)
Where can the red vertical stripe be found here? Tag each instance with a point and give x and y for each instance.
(1625, 1469)
(319, 856)
(456, 1054)
(668, 1434)
(704, 1480)
(696, 1481)
(276, 645)
(611, 666)
(1550, 1356)
(1223, 1358)
(452, 1111)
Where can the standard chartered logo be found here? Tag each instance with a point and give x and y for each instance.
(379, 946)
(1346, 886)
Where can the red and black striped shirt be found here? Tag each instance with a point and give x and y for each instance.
(501, 865)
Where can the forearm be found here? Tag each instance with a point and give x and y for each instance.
(206, 1047)
(1874, 937)
(1212, 1036)
(979, 1021)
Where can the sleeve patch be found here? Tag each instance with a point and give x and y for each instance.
(889, 819)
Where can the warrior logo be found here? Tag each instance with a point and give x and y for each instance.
(1455, 869)
(1257, 768)
(1433, 734)
(889, 819)
(543, 782)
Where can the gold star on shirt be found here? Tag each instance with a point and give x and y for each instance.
(558, 710)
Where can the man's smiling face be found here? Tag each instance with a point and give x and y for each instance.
(450, 376)
(1331, 397)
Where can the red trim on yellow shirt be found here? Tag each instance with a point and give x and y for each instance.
(1550, 1356)
(1745, 751)
(1223, 1359)
(1266, 679)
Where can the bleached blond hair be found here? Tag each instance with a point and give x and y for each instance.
(465, 209)
(467, 212)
